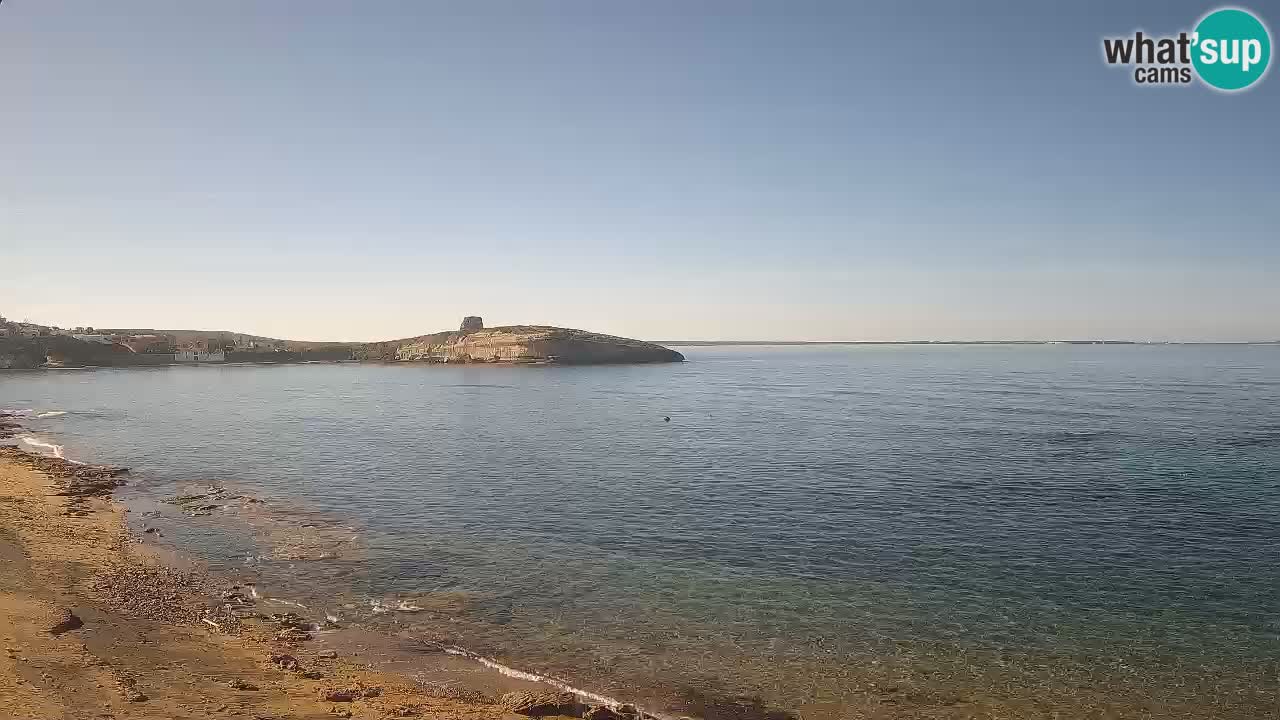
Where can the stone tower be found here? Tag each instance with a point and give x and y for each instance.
(471, 323)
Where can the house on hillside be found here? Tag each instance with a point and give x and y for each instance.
(261, 345)
(200, 356)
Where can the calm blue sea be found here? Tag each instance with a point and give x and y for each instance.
(867, 531)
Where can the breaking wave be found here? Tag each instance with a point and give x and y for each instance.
(51, 414)
(533, 677)
(51, 449)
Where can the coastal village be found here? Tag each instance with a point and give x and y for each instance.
(157, 347)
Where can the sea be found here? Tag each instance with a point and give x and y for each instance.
(867, 531)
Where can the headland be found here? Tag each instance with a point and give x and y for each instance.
(25, 346)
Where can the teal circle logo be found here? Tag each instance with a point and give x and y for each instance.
(1231, 49)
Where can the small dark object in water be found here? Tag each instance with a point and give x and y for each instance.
(666, 418)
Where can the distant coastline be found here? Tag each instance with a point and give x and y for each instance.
(26, 346)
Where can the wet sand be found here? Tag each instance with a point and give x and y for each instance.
(93, 625)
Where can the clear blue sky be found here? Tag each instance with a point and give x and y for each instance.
(664, 170)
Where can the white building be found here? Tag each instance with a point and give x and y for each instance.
(197, 356)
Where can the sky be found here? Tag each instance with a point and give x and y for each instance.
(666, 170)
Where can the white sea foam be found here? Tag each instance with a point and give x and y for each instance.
(52, 413)
(404, 606)
(52, 449)
(535, 677)
(33, 441)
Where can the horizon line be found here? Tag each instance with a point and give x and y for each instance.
(707, 343)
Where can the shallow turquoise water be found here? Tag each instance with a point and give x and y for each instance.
(849, 531)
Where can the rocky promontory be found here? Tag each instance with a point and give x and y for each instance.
(531, 344)
(470, 343)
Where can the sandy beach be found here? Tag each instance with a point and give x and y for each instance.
(94, 625)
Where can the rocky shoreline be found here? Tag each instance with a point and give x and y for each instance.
(96, 625)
